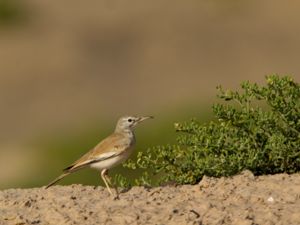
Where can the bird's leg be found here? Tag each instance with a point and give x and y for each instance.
(111, 184)
(103, 175)
(107, 181)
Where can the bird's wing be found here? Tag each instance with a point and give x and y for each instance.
(110, 147)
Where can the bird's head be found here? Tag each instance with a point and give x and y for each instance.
(126, 123)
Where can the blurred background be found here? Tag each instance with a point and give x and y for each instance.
(69, 69)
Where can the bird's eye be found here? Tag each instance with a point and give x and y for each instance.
(129, 120)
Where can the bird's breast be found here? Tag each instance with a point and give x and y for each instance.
(125, 147)
(113, 161)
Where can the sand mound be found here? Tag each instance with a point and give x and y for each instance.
(242, 200)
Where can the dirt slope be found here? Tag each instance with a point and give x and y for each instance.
(242, 200)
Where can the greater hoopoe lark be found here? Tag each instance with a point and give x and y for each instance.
(110, 152)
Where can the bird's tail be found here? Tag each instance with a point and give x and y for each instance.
(57, 179)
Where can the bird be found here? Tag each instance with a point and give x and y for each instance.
(110, 152)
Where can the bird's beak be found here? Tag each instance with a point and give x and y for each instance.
(144, 118)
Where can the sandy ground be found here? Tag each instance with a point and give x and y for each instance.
(242, 200)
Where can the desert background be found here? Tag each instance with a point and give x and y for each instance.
(69, 69)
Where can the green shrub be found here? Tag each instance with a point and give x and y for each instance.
(256, 129)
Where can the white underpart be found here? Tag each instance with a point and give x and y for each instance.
(113, 161)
